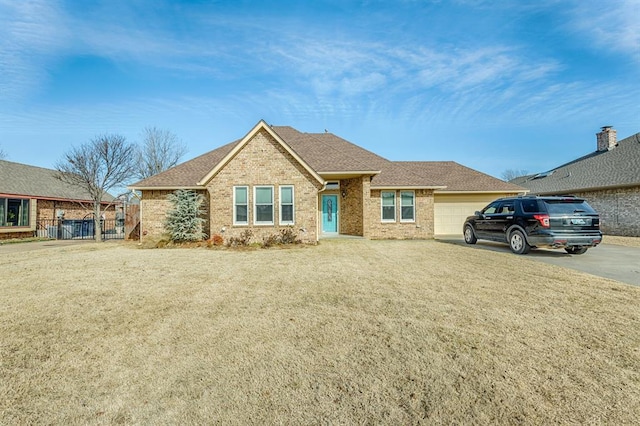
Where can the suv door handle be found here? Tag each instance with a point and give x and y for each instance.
(509, 217)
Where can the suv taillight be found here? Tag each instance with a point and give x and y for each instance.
(543, 219)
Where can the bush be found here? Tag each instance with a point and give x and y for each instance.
(216, 240)
(289, 236)
(242, 241)
(284, 237)
(270, 240)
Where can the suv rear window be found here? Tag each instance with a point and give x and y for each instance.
(568, 207)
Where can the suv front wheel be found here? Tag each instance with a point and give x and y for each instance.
(469, 236)
(518, 242)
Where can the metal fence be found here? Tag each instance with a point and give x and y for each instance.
(79, 229)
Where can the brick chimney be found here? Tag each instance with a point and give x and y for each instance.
(607, 139)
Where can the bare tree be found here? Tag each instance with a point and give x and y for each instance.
(3, 154)
(511, 174)
(104, 163)
(160, 150)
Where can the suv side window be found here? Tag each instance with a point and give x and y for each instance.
(491, 208)
(507, 207)
(530, 206)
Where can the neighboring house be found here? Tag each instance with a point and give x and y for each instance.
(322, 185)
(608, 178)
(31, 197)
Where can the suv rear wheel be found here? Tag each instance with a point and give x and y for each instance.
(576, 250)
(469, 236)
(518, 242)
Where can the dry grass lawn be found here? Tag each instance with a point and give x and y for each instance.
(350, 331)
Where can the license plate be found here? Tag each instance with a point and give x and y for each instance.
(580, 221)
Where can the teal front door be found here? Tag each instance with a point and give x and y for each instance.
(329, 213)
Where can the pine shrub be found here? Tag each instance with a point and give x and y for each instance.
(184, 221)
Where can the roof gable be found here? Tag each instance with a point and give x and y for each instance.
(618, 167)
(261, 126)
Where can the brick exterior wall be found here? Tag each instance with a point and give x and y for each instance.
(72, 210)
(619, 210)
(352, 206)
(422, 228)
(263, 161)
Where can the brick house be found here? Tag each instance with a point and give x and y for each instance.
(609, 178)
(31, 196)
(320, 184)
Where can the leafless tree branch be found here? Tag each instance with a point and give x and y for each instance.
(160, 150)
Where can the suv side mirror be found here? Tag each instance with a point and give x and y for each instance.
(477, 213)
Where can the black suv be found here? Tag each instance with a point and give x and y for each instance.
(535, 221)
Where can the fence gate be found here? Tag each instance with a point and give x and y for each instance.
(79, 229)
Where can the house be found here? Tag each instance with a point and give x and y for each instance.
(322, 185)
(609, 178)
(31, 198)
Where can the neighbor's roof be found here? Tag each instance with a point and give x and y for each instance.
(618, 167)
(457, 177)
(24, 180)
(328, 154)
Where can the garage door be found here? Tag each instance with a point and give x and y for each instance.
(450, 210)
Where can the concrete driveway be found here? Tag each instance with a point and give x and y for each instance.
(606, 260)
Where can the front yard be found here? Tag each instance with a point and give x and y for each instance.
(350, 331)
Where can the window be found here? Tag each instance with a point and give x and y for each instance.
(507, 208)
(14, 212)
(491, 208)
(240, 205)
(286, 205)
(530, 206)
(263, 205)
(388, 206)
(407, 206)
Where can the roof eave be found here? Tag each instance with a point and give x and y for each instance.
(164, 188)
(340, 174)
(501, 191)
(407, 187)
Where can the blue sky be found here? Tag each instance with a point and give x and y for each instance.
(493, 85)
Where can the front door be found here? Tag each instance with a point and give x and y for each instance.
(329, 213)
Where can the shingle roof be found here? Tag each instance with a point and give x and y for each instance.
(25, 180)
(617, 167)
(189, 173)
(457, 177)
(328, 154)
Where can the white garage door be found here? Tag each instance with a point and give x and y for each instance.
(450, 211)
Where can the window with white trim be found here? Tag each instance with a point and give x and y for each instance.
(407, 206)
(263, 205)
(240, 205)
(388, 206)
(287, 214)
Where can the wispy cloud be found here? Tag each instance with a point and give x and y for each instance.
(30, 32)
(610, 25)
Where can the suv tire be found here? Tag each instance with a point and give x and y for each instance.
(469, 236)
(576, 250)
(518, 242)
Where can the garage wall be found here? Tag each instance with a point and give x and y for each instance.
(451, 210)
